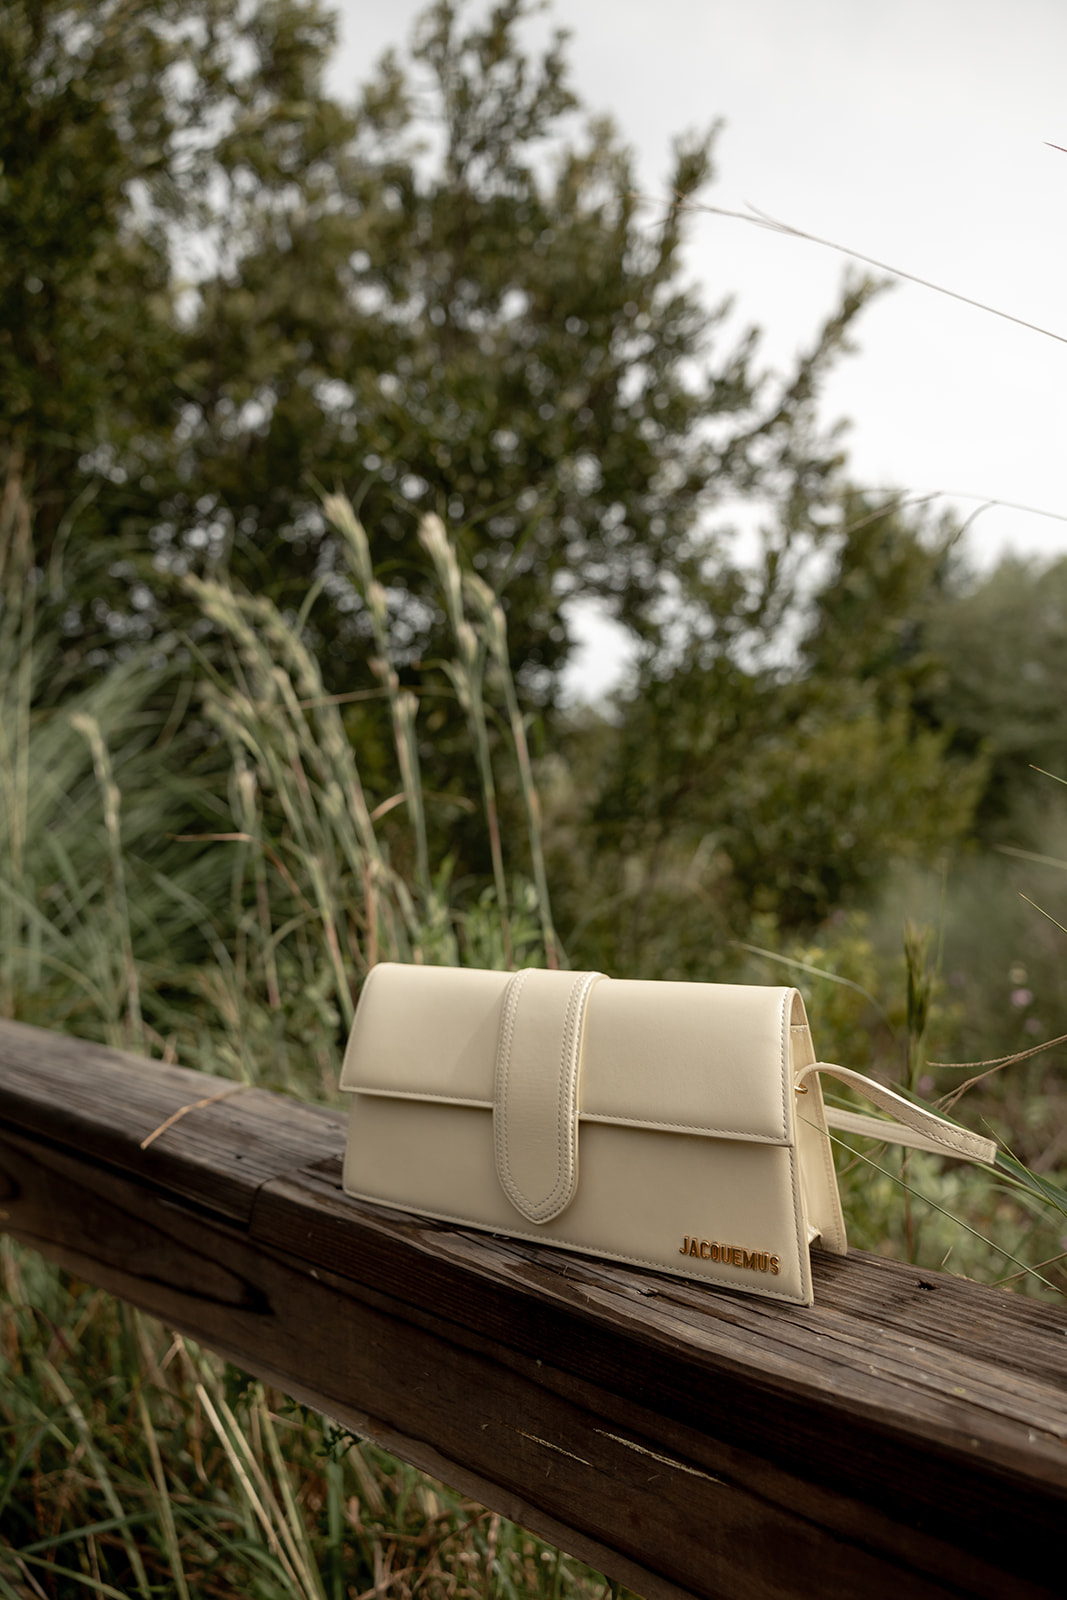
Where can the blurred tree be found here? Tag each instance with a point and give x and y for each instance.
(778, 761)
(891, 568)
(978, 659)
(221, 289)
(122, 129)
(497, 332)
(1000, 645)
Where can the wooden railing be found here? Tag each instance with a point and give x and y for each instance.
(905, 1437)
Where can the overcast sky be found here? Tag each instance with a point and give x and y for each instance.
(914, 132)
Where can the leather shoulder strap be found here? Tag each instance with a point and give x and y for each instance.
(912, 1126)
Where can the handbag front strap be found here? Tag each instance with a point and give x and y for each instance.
(535, 1106)
(913, 1126)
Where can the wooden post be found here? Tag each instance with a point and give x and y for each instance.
(907, 1436)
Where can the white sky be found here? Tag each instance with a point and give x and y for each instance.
(912, 131)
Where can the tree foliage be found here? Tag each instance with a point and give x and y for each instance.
(781, 764)
(1000, 644)
(225, 290)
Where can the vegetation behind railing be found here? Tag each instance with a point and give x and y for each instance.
(213, 895)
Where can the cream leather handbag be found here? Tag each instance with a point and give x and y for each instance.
(678, 1126)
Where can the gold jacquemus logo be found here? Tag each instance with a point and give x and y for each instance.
(732, 1255)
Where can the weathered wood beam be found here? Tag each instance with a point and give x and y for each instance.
(907, 1436)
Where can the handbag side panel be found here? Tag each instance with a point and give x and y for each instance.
(818, 1177)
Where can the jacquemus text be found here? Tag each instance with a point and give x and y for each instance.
(730, 1254)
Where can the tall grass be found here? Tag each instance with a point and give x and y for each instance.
(220, 894)
(212, 889)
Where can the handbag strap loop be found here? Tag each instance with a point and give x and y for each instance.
(535, 1109)
(912, 1125)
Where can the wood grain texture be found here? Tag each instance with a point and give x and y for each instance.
(894, 1439)
(84, 1095)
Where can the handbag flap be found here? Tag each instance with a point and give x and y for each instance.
(700, 1058)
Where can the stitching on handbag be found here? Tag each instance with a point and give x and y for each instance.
(507, 1030)
(954, 1141)
(566, 1137)
(786, 1064)
(838, 1227)
(775, 1141)
(948, 1141)
(573, 1034)
(590, 1249)
(435, 1097)
(564, 1156)
(840, 1231)
(803, 1248)
(566, 1105)
(430, 1097)
(794, 1164)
